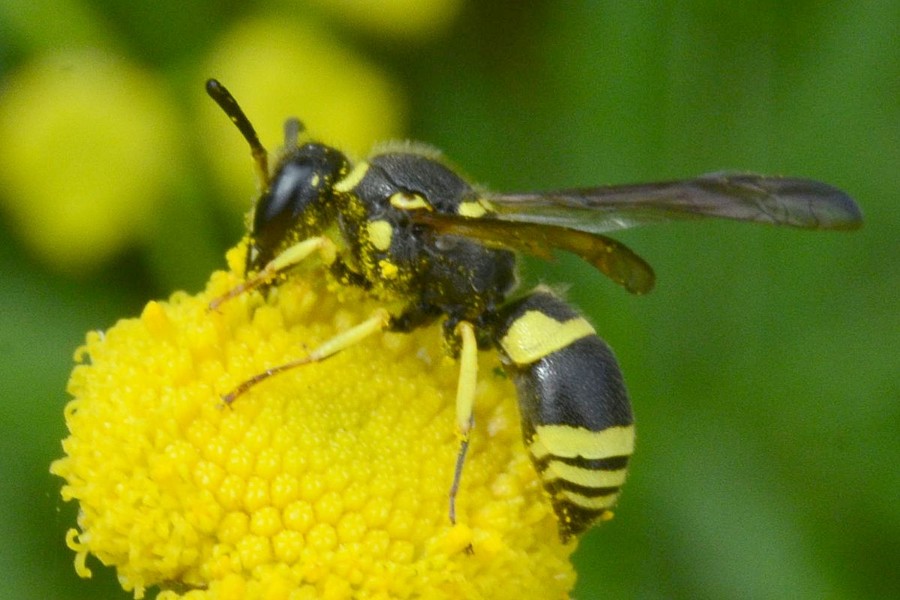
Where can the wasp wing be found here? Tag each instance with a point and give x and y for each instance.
(792, 202)
(610, 257)
(575, 219)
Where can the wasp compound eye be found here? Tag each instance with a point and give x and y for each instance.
(299, 202)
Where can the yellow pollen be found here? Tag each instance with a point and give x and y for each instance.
(388, 269)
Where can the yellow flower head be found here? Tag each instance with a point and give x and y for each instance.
(329, 481)
(89, 155)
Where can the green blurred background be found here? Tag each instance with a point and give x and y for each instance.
(763, 369)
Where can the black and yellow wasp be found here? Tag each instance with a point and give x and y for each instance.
(403, 226)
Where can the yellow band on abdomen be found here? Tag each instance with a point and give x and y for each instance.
(566, 441)
(535, 335)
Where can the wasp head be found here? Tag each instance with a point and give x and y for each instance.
(297, 204)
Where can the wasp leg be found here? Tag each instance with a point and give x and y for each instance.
(465, 401)
(376, 323)
(288, 259)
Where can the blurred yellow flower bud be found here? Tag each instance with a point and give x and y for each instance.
(408, 19)
(88, 155)
(278, 69)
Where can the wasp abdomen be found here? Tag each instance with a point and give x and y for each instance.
(576, 416)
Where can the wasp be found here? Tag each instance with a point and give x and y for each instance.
(405, 227)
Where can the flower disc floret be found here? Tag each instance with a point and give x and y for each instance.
(329, 481)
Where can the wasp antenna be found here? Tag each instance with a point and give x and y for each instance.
(229, 105)
(292, 130)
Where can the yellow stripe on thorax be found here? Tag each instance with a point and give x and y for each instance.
(535, 335)
(408, 201)
(566, 441)
(353, 178)
(380, 234)
(472, 209)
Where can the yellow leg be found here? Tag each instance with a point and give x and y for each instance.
(465, 401)
(291, 257)
(377, 322)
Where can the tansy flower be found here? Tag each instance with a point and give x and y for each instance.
(328, 481)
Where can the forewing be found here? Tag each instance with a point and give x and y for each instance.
(610, 257)
(785, 201)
